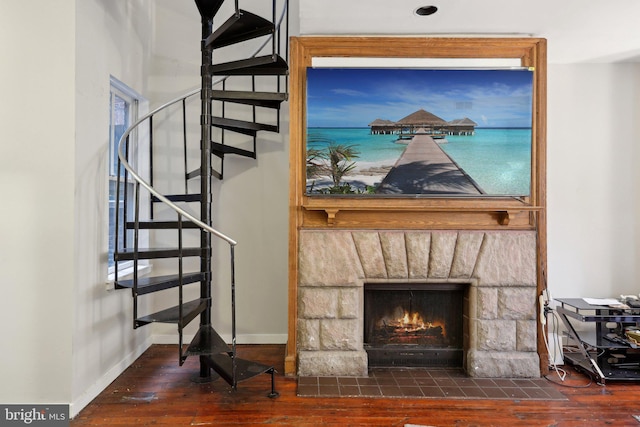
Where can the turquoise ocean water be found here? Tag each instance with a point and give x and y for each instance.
(499, 160)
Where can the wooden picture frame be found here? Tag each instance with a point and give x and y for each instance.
(420, 212)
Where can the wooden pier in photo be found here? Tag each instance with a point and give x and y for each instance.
(424, 168)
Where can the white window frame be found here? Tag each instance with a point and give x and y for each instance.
(137, 107)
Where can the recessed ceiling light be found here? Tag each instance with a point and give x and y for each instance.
(426, 10)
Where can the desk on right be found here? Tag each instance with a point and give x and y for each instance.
(603, 351)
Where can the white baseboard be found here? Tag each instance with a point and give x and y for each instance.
(92, 392)
(240, 339)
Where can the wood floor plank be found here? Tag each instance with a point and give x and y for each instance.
(155, 391)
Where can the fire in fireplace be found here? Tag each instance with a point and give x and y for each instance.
(414, 324)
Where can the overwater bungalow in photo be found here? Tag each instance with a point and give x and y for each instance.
(424, 120)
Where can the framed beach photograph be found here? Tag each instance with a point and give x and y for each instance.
(419, 132)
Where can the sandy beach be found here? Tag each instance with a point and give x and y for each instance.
(368, 175)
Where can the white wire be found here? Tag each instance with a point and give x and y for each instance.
(552, 357)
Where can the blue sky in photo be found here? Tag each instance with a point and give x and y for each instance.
(351, 97)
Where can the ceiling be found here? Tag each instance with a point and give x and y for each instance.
(577, 31)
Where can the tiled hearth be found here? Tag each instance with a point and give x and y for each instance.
(428, 383)
(498, 267)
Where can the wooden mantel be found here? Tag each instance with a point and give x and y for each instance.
(415, 214)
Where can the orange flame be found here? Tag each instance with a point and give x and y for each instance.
(413, 322)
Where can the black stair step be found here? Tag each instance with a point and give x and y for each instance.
(160, 225)
(179, 198)
(269, 65)
(128, 254)
(259, 99)
(240, 27)
(206, 342)
(245, 369)
(190, 310)
(218, 148)
(208, 8)
(241, 126)
(196, 173)
(147, 285)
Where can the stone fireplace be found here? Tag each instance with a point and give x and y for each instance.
(498, 268)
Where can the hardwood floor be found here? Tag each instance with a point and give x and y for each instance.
(155, 391)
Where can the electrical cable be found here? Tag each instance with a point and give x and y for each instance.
(552, 357)
(560, 372)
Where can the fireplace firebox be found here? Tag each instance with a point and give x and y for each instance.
(414, 324)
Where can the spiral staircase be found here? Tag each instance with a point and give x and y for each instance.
(139, 202)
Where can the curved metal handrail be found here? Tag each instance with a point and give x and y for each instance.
(125, 137)
(145, 184)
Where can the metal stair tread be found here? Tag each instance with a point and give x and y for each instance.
(172, 315)
(159, 225)
(241, 126)
(259, 99)
(216, 148)
(155, 253)
(206, 342)
(157, 283)
(196, 172)
(269, 65)
(241, 26)
(245, 369)
(179, 198)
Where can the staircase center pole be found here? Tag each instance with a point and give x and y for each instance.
(205, 180)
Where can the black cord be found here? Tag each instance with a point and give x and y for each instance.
(567, 385)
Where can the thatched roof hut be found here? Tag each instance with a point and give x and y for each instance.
(464, 126)
(381, 122)
(382, 126)
(432, 124)
(429, 124)
(422, 118)
(463, 122)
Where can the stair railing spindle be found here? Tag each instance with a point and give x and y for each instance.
(273, 35)
(136, 247)
(116, 232)
(125, 199)
(286, 44)
(180, 286)
(151, 163)
(233, 319)
(255, 137)
(184, 144)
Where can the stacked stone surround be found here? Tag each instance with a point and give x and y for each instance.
(498, 266)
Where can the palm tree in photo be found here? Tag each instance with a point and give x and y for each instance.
(315, 162)
(340, 161)
(333, 160)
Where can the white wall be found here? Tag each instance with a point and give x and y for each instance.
(112, 38)
(66, 337)
(593, 198)
(37, 40)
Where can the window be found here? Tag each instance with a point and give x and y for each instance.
(124, 109)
